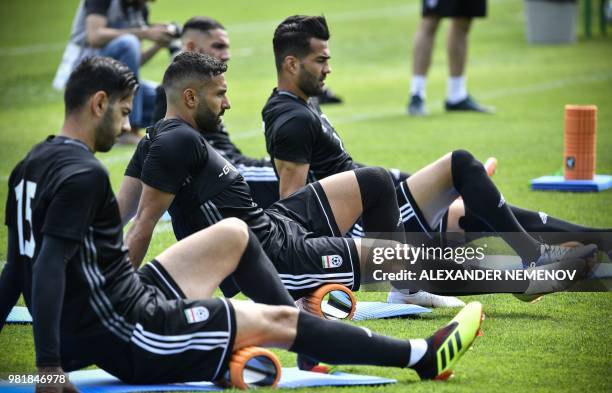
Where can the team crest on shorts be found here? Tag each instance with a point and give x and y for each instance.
(331, 261)
(196, 314)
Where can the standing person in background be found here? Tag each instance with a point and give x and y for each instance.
(461, 13)
(116, 28)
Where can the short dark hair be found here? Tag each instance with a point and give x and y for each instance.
(292, 36)
(194, 66)
(98, 74)
(202, 23)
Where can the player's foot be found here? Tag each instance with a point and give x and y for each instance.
(551, 254)
(328, 97)
(416, 107)
(306, 363)
(539, 288)
(446, 346)
(422, 298)
(467, 104)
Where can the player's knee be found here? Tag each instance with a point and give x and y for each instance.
(282, 317)
(429, 25)
(267, 324)
(374, 182)
(235, 231)
(462, 24)
(463, 164)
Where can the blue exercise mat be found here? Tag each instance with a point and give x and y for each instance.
(558, 183)
(19, 315)
(98, 381)
(365, 310)
(379, 310)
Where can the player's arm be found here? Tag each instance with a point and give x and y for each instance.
(161, 38)
(131, 186)
(48, 285)
(99, 34)
(291, 176)
(67, 220)
(128, 197)
(11, 278)
(168, 162)
(291, 146)
(153, 203)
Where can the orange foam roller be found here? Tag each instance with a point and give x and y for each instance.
(312, 302)
(579, 153)
(240, 372)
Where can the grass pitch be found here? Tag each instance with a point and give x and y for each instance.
(560, 344)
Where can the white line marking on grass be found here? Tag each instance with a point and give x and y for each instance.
(523, 90)
(551, 85)
(32, 49)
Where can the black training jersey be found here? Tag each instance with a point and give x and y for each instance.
(175, 158)
(61, 189)
(298, 131)
(221, 141)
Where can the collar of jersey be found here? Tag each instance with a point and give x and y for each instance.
(288, 93)
(71, 141)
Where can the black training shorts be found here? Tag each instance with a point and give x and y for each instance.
(455, 8)
(173, 339)
(311, 252)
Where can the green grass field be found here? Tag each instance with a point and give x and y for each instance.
(560, 344)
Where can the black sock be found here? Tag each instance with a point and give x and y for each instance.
(257, 277)
(336, 342)
(381, 216)
(548, 229)
(482, 197)
(553, 230)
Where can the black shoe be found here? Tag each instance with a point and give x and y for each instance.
(306, 363)
(328, 97)
(467, 104)
(416, 107)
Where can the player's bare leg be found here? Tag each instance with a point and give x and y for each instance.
(421, 60)
(340, 343)
(423, 45)
(368, 193)
(264, 325)
(201, 261)
(344, 196)
(227, 252)
(457, 98)
(432, 189)
(457, 45)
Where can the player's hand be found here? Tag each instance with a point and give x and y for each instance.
(160, 34)
(54, 380)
